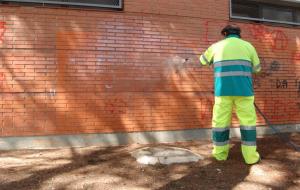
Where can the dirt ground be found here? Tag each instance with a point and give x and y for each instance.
(113, 168)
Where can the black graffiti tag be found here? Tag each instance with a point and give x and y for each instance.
(281, 84)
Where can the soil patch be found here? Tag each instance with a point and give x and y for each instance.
(113, 168)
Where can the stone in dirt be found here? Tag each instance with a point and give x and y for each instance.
(164, 155)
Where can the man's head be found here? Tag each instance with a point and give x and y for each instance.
(231, 29)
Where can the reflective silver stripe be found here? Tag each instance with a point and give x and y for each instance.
(221, 143)
(249, 143)
(257, 67)
(219, 129)
(205, 59)
(233, 73)
(248, 127)
(230, 63)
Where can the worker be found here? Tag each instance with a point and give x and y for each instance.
(234, 60)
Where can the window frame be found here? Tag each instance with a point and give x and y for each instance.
(260, 9)
(46, 2)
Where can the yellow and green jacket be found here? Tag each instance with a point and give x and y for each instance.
(234, 61)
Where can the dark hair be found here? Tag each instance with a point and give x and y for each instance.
(231, 29)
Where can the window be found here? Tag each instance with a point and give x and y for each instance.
(116, 4)
(245, 10)
(279, 14)
(297, 16)
(283, 11)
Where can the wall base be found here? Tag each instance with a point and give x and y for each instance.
(115, 139)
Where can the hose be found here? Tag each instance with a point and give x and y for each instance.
(277, 132)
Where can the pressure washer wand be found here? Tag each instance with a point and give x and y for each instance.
(276, 131)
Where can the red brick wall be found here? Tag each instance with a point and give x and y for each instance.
(66, 71)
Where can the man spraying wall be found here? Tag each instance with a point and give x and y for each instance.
(234, 61)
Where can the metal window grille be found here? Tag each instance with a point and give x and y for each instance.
(115, 4)
(282, 11)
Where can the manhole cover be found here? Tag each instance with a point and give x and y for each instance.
(164, 155)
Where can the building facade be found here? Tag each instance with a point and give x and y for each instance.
(68, 70)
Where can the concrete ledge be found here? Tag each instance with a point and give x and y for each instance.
(115, 139)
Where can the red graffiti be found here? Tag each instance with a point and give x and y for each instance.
(116, 106)
(259, 32)
(2, 79)
(296, 56)
(2, 76)
(209, 31)
(275, 38)
(278, 39)
(2, 31)
(206, 31)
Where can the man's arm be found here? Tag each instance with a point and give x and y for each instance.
(256, 67)
(207, 57)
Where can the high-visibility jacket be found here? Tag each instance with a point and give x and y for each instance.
(234, 61)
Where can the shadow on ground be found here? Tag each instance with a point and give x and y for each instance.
(114, 168)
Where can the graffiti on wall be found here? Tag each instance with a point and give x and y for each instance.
(2, 31)
(280, 40)
(298, 87)
(277, 39)
(115, 106)
(296, 56)
(2, 79)
(298, 92)
(281, 84)
(210, 31)
(274, 66)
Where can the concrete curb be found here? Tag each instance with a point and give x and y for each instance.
(115, 139)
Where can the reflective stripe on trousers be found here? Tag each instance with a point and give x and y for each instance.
(220, 136)
(248, 135)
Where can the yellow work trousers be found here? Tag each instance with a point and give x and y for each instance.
(222, 113)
